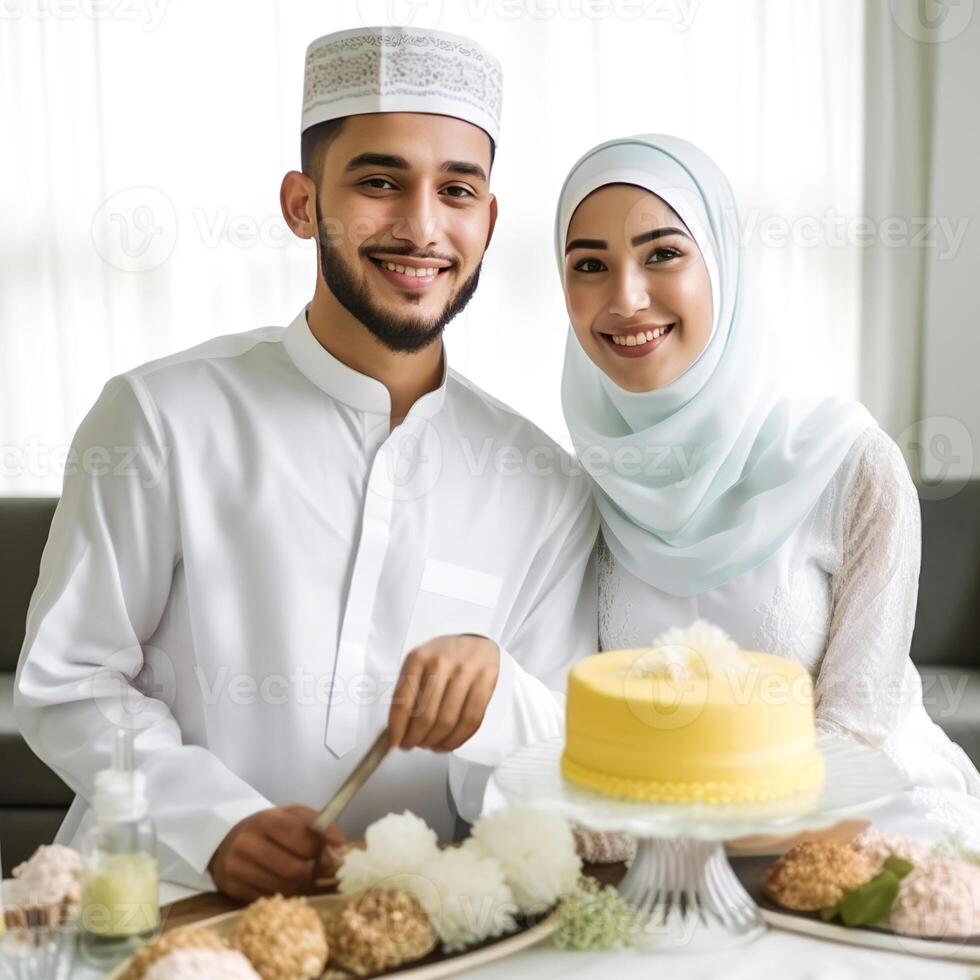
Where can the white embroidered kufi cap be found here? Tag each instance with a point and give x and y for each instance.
(401, 69)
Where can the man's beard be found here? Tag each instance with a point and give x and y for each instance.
(403, 334)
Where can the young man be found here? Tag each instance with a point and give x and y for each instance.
(323, 530)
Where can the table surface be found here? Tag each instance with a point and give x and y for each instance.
(786, 955)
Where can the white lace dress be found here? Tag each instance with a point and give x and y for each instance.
(839, 598)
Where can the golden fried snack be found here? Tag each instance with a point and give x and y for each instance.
(283, 939)
(379, 930)
(815, 875)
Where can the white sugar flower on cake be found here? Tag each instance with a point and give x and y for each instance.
(398, 844)
(701, 648)
(536, 851)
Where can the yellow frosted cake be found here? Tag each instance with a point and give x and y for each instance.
(691, 719)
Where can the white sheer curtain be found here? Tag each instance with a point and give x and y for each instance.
(144, 144)
(900, 96)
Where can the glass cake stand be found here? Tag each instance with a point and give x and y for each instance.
(680, 876)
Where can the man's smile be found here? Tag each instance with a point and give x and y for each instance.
(410, 274)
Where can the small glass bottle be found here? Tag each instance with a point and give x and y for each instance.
(120, 879)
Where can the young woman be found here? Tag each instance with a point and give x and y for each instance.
(792, 525)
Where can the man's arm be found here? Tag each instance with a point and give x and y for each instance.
(480, 699)
(553, 625)
(104, 582)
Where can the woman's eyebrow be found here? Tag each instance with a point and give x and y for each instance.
(585, 243)
(649, 236)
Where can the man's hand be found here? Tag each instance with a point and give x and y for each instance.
(331, 854)
(271, 851)
(443, 692)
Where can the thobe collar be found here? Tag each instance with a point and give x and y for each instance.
(346, 385)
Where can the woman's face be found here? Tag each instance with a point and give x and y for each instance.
(636, 287)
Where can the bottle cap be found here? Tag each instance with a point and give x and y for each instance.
(120, 792)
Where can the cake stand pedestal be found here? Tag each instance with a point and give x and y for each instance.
(689, 895)
(681, 879)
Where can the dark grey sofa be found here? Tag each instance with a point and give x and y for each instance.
(946, 647)
(33, 800)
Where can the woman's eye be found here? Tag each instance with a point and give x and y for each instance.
(663, 254)
(377, 183)
(589, 265)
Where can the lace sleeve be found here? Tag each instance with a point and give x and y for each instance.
(867, 684)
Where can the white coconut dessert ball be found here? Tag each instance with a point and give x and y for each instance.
(202, 964)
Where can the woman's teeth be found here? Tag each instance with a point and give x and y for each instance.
(632, 340)
(408, 270)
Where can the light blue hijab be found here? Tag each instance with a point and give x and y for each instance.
(703, 479)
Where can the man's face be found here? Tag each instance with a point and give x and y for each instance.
(404, 216)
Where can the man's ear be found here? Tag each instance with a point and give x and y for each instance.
(493, 219)
(296, 200)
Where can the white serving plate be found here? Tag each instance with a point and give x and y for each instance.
(328, 905)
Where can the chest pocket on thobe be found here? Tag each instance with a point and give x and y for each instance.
(452, 599)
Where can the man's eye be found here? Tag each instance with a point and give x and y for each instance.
(663, 254)
(377, 183)
(589, 265)
(464, 191)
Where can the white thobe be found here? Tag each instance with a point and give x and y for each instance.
(243, 546)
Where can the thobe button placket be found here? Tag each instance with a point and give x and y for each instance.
(343, 715)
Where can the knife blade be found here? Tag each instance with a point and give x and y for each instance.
(362, 772)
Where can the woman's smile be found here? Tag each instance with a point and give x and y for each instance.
(638, 341)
